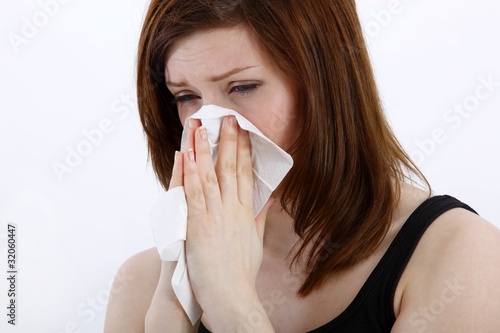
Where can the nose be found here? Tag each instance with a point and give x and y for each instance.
(216, 98)
(209, 97)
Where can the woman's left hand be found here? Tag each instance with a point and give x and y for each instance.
(224, 245)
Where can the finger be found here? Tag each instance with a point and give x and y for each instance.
(194, 193)
(226, 167)
(260, 220)
(206, 171)
(245, 175)
(177, 173)
(193, 125)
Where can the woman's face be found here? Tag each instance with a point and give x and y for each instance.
(225, 68)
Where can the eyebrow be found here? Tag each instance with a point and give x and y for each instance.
(213, 78)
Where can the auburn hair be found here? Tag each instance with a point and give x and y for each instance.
(343, 189)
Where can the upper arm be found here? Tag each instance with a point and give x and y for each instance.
(132, 291)
(455, 282)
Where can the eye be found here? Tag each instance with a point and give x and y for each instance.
(244, 89)
(184, 99)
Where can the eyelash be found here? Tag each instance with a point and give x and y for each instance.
(183, 99)
(247, 89)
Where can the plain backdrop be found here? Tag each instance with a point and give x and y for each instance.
(67, 68)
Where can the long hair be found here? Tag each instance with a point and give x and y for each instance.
(343, 189)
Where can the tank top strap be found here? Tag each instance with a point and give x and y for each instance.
(401, 249)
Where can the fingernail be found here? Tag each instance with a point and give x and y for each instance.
(191, 154)
(191, 123)
(203, 133)
(176, 156)
(231, 121)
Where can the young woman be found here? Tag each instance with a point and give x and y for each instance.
(348, 244)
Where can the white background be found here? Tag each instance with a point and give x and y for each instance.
(77, 70)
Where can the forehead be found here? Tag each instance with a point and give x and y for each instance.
(208, 52)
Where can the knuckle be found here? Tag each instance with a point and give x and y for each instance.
(198, 202)
(191, 172)
(211, 178)
(196, 197)
(230, 167)
(246, 171)
(224, 179)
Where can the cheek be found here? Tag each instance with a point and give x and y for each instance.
(183, 115)
(183, 120)
(278, 121)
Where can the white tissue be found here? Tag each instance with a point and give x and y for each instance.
(168, 216)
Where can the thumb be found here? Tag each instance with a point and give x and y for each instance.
(260, 220)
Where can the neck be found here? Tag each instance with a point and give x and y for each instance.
(279, 235)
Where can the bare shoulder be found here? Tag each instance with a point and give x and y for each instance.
(148, 260)
(460, 239)
(132, 291)
(452, 281)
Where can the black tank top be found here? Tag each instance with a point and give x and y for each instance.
(372, 308)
